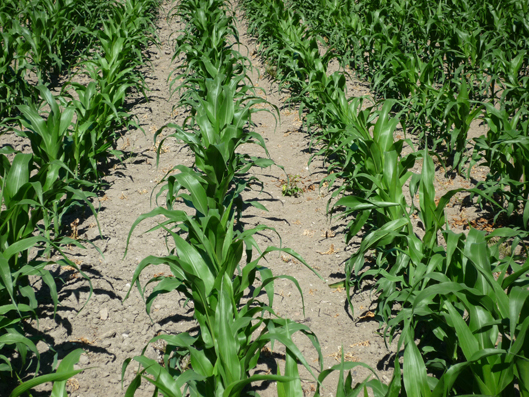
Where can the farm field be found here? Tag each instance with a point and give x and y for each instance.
(441, 271)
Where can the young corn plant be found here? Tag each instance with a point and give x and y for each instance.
(206, 269)
(468, 321)
(504, 150)
(14, 89)
(26, 202)
(218, 130)
(373, 168)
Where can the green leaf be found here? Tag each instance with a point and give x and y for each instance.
(414, 370)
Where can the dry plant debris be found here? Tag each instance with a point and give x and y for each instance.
(83, 340)
(346, 357)
(328, 234)
(72, 384)
(369, 314)
(363, 344)
(330, 251)
(75, 232)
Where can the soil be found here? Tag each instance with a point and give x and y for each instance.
(111, 328)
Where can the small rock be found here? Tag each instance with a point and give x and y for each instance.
(108, 334)
(84, 359)
(103, 314)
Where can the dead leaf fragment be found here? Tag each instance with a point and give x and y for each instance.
(83, 340)
(75, 233)
(328, 234)
(346, 357)
(330, 251)
(367, 315)
(72, 384)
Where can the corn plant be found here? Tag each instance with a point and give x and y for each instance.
(58, 32)
(364, 154)
(206, 270)
(26, 202)
(38, 189)
(64, 371)
(219, 126)
(346, 388)
(14, 89)
(481, 351)
(504, 150)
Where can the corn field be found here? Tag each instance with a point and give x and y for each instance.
(167, 169)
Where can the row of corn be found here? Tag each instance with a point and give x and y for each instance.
(72, 130)
(458, 303)
(214, 259)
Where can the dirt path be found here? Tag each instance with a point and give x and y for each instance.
(111, 330)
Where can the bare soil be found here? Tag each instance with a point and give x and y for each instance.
(111, 329)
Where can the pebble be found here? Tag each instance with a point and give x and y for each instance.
(103, 314)
(108, 334)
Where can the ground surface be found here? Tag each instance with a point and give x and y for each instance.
(111, 329)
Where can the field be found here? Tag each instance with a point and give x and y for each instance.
(289, 198)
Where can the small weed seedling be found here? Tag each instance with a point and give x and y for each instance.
(290, 186)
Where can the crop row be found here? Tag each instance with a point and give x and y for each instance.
(213, 259)
(47, 43)
(458, 306)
